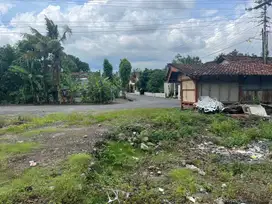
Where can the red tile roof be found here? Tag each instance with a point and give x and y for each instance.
(185, 68)
(242, 67)
(234, 68)
(244, 58)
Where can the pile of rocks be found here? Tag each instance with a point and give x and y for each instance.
(140, 140)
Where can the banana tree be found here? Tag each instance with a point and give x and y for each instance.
(31, 79)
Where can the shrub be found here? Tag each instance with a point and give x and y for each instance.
(99, 90)
(266, 130)
(224, 127)
(120, 155)
(185, 181)
(2, 122)
(238, 138)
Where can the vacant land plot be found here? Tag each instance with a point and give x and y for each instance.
(135, 156)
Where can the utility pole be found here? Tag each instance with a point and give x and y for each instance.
(264, 4)
(265, 34)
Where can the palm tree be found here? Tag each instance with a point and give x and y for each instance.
(48, 49)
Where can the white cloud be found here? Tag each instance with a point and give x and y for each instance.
(4, 7)
(148, 37)
(208, 13)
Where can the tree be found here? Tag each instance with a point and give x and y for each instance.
(156, 81)
(30, 78)
(186, 60)
(48, 47)
(81, 66)
(107, 69)
(68, 64)
(124, 71)
(235, 53)
(143, 80)
(10, 83)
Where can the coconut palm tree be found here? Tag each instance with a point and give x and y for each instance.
(49, 50)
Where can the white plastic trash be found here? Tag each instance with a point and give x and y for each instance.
(208, 104)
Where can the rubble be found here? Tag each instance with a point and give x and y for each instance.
(192, 199)
(194, 168)
(219, 201)
(145, 139)
(253, 151)
(144, 146)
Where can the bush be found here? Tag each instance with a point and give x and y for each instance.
(224, 127)
(266, 130)
(99, 90)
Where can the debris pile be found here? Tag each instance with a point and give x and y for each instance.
(252, 152)
(207, 104)
(194, 168)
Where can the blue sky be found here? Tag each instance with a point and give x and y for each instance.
(148, 32)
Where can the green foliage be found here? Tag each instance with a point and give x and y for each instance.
(72, 85)
(155, 83)
(99, 90)
(236, 138)
(120, 155)
(68, 187)
(11, 149)
(107, 69)
(30, 71)
(79, 162)
(185, 181)
(186, 60)
(235, 53)
(34, 122)
(125, 71)
(266, 130)
(119, 165)
(143, 80)
(164, 134)
(78, 65)
(224, 127)
(41, 131)
(151, 80)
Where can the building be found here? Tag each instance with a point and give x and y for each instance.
(229, 79)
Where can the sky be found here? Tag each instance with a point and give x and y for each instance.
(149, 33)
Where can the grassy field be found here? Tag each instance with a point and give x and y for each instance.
(133, 156)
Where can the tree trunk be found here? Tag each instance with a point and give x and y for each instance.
(44, 68)
(124, 93)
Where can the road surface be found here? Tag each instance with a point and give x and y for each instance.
(139, 102)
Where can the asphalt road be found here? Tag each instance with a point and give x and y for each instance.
(138, 102)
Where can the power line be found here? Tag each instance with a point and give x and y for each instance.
(231, 45)
(224, 49)
(265, 20)
(125, 4)
(178, 24)
(113, 21)
(123, 30)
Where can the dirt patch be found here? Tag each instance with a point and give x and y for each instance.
(55, 147)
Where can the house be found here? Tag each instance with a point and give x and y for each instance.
(230, 79)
